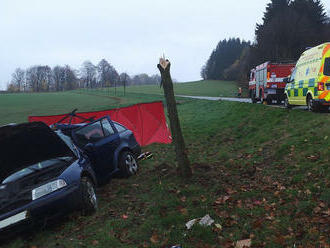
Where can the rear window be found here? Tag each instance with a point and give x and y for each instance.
(326, 70)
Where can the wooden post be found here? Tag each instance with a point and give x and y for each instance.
(183, 168)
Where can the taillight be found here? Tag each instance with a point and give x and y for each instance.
(320, 86)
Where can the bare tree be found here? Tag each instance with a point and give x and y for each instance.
(183, 168)
(59, 77)
(39, 78)
(107, 74)
(18, 79)
(88, 74)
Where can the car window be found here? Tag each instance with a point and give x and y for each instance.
(89, 134)
(326, 70)
(293, 75)
(108, 130)
(119, 127)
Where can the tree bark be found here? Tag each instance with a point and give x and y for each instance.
(183, 168)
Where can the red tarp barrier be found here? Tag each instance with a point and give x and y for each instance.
(146, 120)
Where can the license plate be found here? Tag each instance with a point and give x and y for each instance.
(271, 92)
(13, 219)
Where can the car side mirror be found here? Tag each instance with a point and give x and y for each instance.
(89, 148)
(286, 80)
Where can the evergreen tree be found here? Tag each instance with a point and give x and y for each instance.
(225, 54)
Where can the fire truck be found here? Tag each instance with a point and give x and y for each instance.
(266, 82)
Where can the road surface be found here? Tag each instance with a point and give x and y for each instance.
(232, 99)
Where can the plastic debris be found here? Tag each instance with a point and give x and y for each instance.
(218, 226)
(190, 223)
(205, 221)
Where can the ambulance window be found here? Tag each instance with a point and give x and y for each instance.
(326, 70)
(293, 75)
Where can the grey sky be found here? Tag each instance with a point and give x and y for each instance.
(130, 34)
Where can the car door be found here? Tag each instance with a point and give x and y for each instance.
(293, 88)
(99, 140)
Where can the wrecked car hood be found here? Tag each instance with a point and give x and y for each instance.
(24, 144)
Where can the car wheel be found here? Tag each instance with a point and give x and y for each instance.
(128, 164)
(310, 104)
(286, 102)
(88, 196)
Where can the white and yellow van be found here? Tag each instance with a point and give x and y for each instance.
(309, 83)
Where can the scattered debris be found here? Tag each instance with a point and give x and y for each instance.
(190, 223)
(217, 225)
(205, 221)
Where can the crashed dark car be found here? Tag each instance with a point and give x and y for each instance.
(44, 173)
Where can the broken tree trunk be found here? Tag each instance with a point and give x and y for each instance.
(183, 168)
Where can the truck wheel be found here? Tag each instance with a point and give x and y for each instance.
(269, 101)
(253, 97)
(310, 104)
(88, 196)
(127, 164)
(286, 102)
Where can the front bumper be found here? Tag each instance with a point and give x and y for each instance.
(50, 206)
(275, 94)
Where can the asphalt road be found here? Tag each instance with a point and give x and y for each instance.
(232, 99)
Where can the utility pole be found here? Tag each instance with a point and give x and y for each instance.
(183, 168)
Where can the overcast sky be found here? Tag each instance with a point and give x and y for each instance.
(130, 34)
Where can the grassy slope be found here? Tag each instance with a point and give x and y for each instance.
(17, 107)
(198, 88)
(260, 172)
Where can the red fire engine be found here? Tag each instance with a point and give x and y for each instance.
(266, 82)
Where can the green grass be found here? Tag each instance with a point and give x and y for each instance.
(272, 163)
(198, 88)
(17, 107)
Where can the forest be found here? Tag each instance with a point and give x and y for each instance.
(288, 28)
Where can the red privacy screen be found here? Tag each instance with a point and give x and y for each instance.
(146, 120)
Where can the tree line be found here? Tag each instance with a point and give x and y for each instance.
(43, 78)
(288, 28)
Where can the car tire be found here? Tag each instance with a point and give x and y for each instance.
(310, 104)
(128, 165)
(88, 197)
(286, 102)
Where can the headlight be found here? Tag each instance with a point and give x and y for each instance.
(48, 188)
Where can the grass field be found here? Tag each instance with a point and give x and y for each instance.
(261, 173)
(198, 88)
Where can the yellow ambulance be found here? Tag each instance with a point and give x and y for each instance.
(309, 83)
